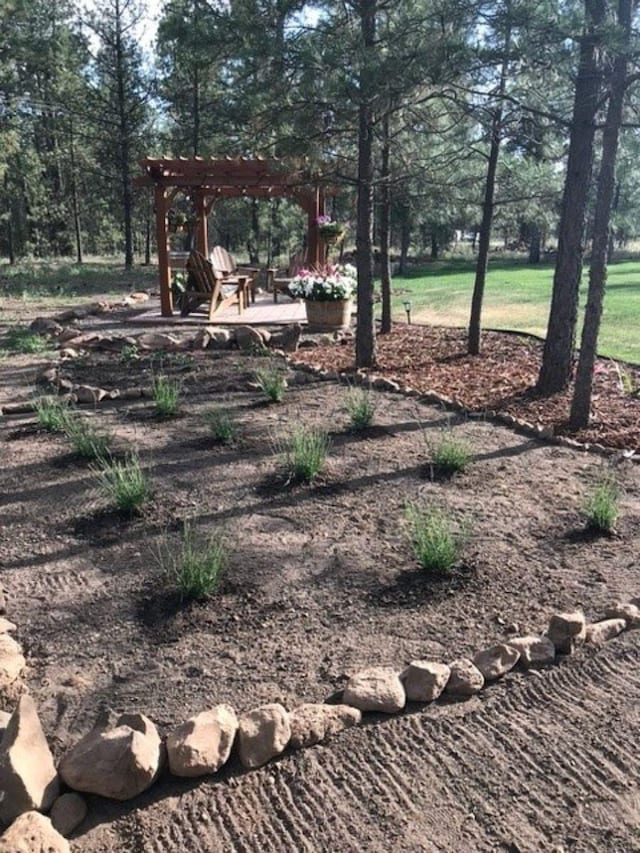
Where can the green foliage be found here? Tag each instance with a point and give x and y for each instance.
(272, 382)
(52, 413)
(360, 406)
(124, 483)
(21, 339)
(436, 542)
(86, 440)
(450, 454)
(304, 453)
(129, 354)
(601, 508)
(222, 425)
(197, 566)
(166, 395)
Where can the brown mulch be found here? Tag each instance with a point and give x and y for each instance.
(501, 379)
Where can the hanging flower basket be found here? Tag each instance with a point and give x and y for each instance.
(331, 232)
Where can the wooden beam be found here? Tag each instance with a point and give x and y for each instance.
(164, 273)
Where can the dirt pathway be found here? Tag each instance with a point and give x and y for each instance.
(543, 762)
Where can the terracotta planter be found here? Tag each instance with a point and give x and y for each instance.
(328, 316)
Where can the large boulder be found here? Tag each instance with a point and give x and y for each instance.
(32, 832)
(158, 341)
(567, 631)
(263, 733)
(425, 680)
(496, 661)
(599, 633)
(119, 763)
(311, 723)
(375, 689)
(28, 778)
(287, 339)
(67, 813)
(202, 744)
(465, 678)
(534, 651)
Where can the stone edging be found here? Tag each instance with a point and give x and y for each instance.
(122, 759)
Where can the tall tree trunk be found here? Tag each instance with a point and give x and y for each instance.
(195, 141)
(555, 370)
(473, 342)
(74, 195)
(581, 402)
(125, 150)
(534, 244)
(365, 330)
(385, 227)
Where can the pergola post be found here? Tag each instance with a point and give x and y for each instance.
(202, 236)
(317, 251)
(164, 273)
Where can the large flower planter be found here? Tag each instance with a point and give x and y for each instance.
(328, 315)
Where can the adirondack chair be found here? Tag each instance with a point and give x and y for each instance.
(225, 265)
(278, 280)
(203, 285)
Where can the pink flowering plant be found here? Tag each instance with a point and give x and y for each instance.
(325, 284)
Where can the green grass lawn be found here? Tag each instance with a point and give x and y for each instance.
(517, 296)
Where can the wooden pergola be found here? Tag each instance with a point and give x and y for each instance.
(206, 180)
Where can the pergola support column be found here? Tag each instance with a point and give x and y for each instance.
(164, 273)
(202, 236)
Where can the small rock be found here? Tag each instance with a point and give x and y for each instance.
(534, 651)
(598, 633)
(12, 660)
(424, 680)
(311, 723)
(3, 601)
(496, 661)
(20, 408)
(67, 334)
(376, 689)
(263, 733)
(68, 352)
(6, 625)
(138, 296)
(131, 393)
(45, 326)
(249, 339)
(465, 679)
(624, 610)
(219, 338)
(32, 832)
(158, 341)
(119, 763)
(48, 377)
(89, 394)
(28, 777)
(202, 744)
(67, 813)
(567, 631)
(288, 338)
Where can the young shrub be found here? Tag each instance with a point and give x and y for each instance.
(196, 568)
(52, 413)
(22, 339)
(222, 425)
(272, 382)
(360, 405)
(601, 506)
(86, 440)
(305, 453)
(124, 483)
(450, 454)
(166, 395)
(436, 543)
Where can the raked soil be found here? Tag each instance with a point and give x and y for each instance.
(321, 582)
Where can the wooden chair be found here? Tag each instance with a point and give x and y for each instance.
(278, 280)
(204, 285)
(225, 265)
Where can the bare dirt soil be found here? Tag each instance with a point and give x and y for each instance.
(322, 582)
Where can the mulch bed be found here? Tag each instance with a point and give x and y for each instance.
(501, 379)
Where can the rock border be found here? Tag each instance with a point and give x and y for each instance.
(131, 754)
